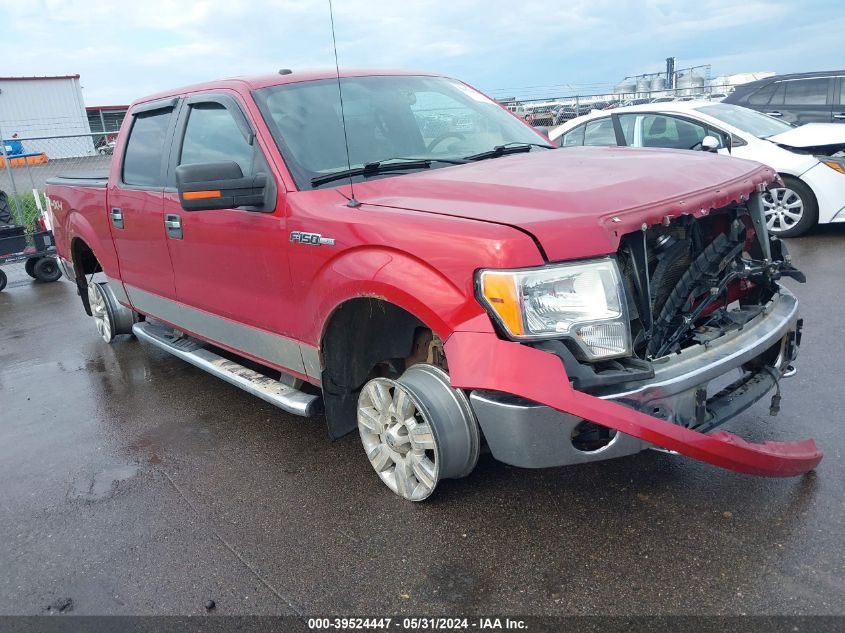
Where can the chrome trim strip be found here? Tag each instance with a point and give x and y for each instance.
(275, 349)
(272, 391)
(701, 364)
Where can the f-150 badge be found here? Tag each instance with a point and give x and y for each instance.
(315, 239)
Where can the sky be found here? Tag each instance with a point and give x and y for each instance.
(529, 48)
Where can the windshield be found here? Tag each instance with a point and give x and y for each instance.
(751, 121)
(386, 117)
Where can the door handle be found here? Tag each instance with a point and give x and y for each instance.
(116, 217)
(774, 113)
(173, 224)
(841, 115)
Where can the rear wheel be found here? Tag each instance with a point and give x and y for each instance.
(46, 269)
(30, 266)
(3, 280)
(790, 210)
(110, 317)
(417, 430)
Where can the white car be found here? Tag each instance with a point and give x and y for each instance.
(809, 158)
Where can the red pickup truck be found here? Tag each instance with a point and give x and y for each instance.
(414, 261)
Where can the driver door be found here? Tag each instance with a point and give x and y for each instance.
(652, 129)
(230, 265)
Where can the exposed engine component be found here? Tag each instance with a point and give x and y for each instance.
(692, 280)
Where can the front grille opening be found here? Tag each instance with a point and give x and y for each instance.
(588, 437)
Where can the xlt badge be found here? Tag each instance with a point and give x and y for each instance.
(315, 239)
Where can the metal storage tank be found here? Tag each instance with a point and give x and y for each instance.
(643, 85)
(45, 106)
(697, 83)
(658, 83)
(689, 83)
(626, 86)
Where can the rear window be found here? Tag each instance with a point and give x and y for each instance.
(145, 149)
(600, 133)
(763, 95)
(806, 92)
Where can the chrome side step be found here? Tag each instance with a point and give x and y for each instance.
(194, 352)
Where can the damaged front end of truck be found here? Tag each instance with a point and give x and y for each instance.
(694, 328)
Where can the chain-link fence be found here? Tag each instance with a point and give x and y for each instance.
(27, 163)
(551, 111)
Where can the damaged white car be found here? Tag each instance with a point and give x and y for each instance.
(810, 159)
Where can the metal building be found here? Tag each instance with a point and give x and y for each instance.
(32, 108)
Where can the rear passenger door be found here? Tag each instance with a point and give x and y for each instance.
(798, 101)
(135, 209)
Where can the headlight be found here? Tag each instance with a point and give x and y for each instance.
(837, 164)
(584, 301)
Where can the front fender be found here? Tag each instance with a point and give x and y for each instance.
(401, 279)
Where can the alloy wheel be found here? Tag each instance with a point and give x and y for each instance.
(100, 312)
(398, 438)
(783, 209)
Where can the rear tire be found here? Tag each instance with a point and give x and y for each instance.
(110, 316)
(30, 266)
(791, 210)
(47, 269)
(3, 280)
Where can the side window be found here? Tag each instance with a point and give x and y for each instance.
(777, 97)
(666, 131)
(212, 136)
(145, 148)
(763, 95)
(806, 92)
(599, 132)
(572, 137)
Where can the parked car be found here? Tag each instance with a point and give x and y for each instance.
(817, 97)
(431, 291)
(810, 159)
(539, 115)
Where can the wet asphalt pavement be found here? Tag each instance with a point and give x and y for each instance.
(132, 483)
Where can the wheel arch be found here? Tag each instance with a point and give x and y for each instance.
(361, 334)
(84, 262)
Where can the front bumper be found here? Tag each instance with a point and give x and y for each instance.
(528, 410)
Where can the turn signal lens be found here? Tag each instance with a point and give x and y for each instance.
(835, 165)
(501, 294)
(202, 195)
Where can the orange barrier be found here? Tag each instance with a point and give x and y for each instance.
(20, 161)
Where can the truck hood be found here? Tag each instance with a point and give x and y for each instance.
(574, 202)
(822, 138)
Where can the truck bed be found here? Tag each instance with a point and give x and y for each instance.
(97, 179)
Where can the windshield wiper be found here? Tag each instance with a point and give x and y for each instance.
(507, 148)
(382, 166)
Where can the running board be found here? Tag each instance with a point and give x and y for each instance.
(193, 351)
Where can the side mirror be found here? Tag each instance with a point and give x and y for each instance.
(205, 186)
(709, 144)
